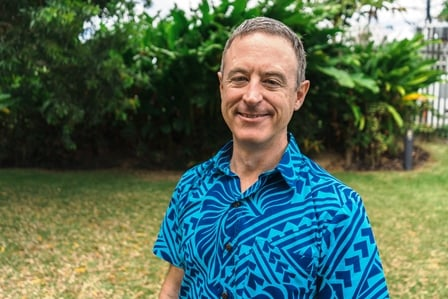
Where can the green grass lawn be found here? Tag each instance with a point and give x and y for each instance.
(89, 234)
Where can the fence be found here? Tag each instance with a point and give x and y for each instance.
(437, 116)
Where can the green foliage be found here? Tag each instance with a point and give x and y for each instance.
(443, 15)
(382, 109)
(64, 92)
(93, 77)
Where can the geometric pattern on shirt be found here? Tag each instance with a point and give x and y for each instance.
(296, 233)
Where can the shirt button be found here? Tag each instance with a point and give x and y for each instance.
(236, 204)
(228, 247)
(224, 295)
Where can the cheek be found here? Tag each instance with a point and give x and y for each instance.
(226, 103)
(229, 96)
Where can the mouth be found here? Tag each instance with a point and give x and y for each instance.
(252, 115)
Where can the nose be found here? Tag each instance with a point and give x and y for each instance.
(253, 94)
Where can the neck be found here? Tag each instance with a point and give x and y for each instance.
(248, 162)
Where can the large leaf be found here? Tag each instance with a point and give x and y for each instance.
(360, 119)
(396, 116)
(342, 77)
(368, 83)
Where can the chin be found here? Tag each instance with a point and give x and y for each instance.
(260, 137)
(252, 138)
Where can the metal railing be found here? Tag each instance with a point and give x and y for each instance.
(436, 117)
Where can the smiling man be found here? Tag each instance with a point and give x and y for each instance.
(260, 219)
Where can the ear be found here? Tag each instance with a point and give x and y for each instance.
(220, 80)
(301, 93)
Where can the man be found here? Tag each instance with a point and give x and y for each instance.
(259, 219)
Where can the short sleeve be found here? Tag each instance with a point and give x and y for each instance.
(350, 261)
(167, 245)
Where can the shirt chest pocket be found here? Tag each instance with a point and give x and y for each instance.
(273, 269)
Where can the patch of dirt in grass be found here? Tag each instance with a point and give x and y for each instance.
(332, 161)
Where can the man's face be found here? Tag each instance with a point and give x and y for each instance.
(259, 92)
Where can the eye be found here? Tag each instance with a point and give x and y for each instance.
(272, 83)
(238, 80)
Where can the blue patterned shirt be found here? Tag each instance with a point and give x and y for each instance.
(298, 232)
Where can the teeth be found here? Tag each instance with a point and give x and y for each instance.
(251, 115)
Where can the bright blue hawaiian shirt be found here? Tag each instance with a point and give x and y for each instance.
(296, 233)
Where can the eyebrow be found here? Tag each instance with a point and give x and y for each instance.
(236, 71)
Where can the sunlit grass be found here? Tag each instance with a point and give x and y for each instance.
(90, 234)
(80, 234)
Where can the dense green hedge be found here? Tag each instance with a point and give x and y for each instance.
(143, 88)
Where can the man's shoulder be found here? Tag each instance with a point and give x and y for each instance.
(208, 168)
(325, 185)
(198, 173)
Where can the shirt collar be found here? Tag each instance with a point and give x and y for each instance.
(291, 162)
(289, 165)
(222, 158)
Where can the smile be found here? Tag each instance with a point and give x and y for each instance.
(252, 115)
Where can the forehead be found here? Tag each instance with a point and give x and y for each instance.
(260, 48)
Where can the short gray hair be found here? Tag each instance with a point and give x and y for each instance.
(272, 27)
